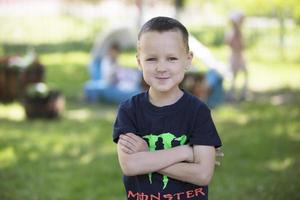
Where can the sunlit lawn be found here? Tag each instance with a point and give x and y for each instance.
(74, 157)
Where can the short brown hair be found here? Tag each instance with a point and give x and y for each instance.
(162, 24)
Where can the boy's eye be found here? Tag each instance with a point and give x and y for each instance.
(172, 59)
(151, 59)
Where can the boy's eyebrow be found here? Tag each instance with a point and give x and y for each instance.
(150, 55)
(154, 54)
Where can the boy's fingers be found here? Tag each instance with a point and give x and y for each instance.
(139, 144)
(128, 139)
(133, 136)
(219, 152)
(136, 138)
(126, 144)
(126, 150)
(133, 142)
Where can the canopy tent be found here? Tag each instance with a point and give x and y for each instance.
(124, 36)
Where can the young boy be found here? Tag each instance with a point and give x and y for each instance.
(165, 137)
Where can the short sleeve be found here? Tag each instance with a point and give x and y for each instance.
(204, 131)
(125, 122)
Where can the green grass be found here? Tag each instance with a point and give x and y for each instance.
(261, 145)
(71, 158)
(74, 157)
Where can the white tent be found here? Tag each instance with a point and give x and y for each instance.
(124, 36)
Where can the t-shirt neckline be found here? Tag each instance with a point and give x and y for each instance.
(165, 109)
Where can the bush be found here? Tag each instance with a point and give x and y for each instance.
(210, 36)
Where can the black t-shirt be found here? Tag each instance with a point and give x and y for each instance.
(188, 121)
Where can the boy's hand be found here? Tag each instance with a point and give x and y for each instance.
(131, 143)
(219, 153)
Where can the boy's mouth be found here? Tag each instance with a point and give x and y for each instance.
(162, 77)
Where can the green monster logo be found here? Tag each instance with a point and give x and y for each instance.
(167, 139)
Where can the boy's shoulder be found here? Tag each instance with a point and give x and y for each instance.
(133, 101)
(195, 102)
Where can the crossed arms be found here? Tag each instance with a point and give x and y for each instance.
(185, 163)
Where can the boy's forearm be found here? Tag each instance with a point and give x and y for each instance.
(188, 172)
(147, 162)
(199, 172)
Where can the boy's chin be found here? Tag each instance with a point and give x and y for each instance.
(163, 89)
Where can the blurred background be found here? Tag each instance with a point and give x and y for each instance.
(56, 114)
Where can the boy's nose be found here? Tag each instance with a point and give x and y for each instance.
(160, 67)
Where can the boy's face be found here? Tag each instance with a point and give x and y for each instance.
(163, 58)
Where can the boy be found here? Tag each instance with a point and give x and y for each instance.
(165, 137)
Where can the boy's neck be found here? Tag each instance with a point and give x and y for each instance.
(161, 99)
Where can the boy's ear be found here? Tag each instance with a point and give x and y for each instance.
(189, 60)
(138, 62)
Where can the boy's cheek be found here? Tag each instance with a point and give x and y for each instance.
(146, 67)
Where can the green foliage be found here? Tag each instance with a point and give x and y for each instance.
(296, 12)
(274, 8)
(214, 36)
(47, 29)
(210, 36)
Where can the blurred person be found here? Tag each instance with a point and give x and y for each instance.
(206, 86)
(109, 65)
(114, 83)
(214, 81)
(165, 137)
(234, 39)
(196, 83)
